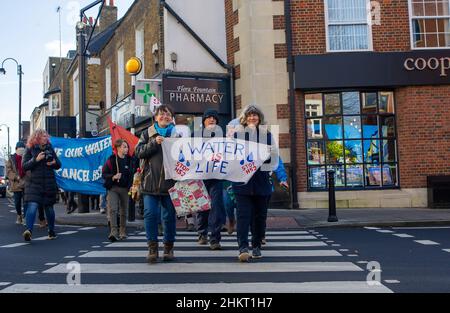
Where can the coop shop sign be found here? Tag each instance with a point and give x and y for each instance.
(441, 64)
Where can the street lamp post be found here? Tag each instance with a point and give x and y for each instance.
(9, 146)
(20, 73)
(133, 67)
(83, 44)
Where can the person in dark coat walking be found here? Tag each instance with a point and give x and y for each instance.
(118, 175)
(211, 221)
(252, 199)
(40, 162)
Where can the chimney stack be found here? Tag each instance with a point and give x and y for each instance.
(109, 15)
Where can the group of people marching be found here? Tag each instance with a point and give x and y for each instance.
(252, 199)
(32, 177)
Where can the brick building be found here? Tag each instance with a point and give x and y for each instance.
(366, 94)
(176, 49)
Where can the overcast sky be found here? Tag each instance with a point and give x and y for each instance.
(29, 33)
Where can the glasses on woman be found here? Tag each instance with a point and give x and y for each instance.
(165, 114)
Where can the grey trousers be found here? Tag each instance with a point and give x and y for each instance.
(117, 204)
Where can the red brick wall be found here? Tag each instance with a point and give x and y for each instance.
(423, 127)
(231, 19)
(301, 169)
(308, 27)
(393, 32)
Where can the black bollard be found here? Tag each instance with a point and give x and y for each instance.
(332, 217)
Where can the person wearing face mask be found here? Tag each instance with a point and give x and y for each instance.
(155, 187)
(40, 185)
(16, 176)
(211, 221)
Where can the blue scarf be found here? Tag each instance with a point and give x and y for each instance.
(165, 132)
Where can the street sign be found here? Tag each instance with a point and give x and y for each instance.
(146, 89)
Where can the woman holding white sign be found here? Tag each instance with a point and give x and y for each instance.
(252, 198)
(211, 221)
(155, 187)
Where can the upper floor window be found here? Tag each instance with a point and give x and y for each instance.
(348, 25)
(430, 25)
(140, 48)
(121, 72)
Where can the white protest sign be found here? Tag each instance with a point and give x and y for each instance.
(229, 159)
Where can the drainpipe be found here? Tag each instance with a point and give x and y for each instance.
(293, 127)
(232, 89)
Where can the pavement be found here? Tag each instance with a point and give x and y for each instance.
(300, 219)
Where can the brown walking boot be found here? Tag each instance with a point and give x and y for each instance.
(153, 252)
(168, 252)
(123, 233)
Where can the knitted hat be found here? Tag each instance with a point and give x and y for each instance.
(20, 144)
(210, 113)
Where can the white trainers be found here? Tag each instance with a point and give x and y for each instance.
(19, 220)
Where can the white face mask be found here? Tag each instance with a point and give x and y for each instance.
(20, 151)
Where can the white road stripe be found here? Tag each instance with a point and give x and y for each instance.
(430, 227)
(371, 228)
(223, 244)
(70, 257)
(15, 245)
(212, 254)
(87, 228)
(30, 273)
(304, 287)
(71, 232)
(195, 238)
(385, 231)
(403, 235)
(294, 232)
(446, 250)
(392, 281)
(40, 238)
(427, 242)
(51, 264)
(230, 267)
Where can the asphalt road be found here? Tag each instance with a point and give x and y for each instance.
(311, 260)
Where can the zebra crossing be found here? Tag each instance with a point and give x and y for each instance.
(293, 262)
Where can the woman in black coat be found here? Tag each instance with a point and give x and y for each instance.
(40, 162)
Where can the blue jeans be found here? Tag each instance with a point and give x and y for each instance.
(32, 208)
(103, 201)
(213, 220)
(153, 206)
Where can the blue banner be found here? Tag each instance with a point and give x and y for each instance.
(82, 162)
